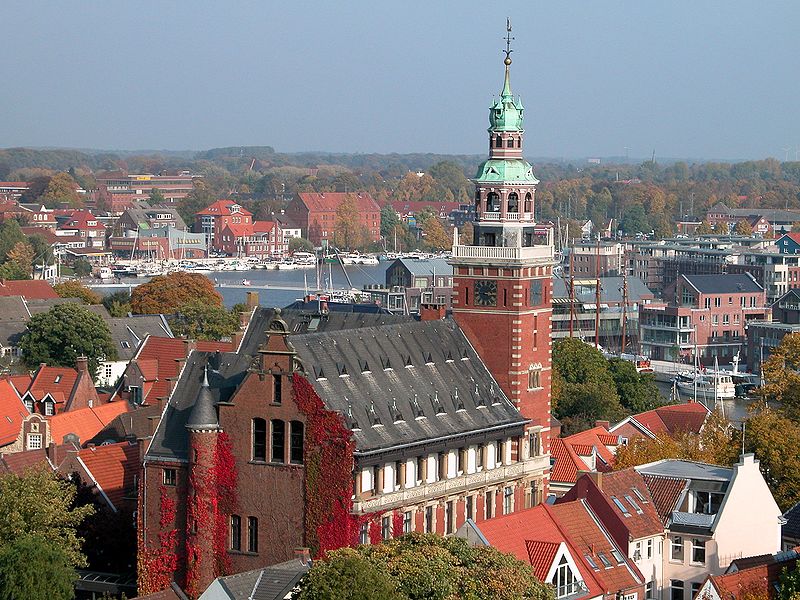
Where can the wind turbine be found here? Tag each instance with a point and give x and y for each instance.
(786, 154)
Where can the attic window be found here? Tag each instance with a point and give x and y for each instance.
(125, 344)
(386, 363)
(449, 357)
(591, 562)
(351, 420)
(621, 506)
(397, 416)
(58, 378)
(464, 354)
(604, 559)
(640, 496)
(428, 358)
(373, 416)
(635, 506)
(320, 374)
(342, 368)
(618, 556)
(459, 403)
(418, 414)
(437, 404)
(407, 362)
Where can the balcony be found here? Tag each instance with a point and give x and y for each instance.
(509, 216)
(452, 486)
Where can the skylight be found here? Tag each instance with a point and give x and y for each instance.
(640, 496)
(621, 506)
(604, 559)
(617, 556)
(591, 562)
(635, 506)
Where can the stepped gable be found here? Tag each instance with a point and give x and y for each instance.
(397, 384)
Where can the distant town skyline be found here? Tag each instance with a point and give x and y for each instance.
(683, 79)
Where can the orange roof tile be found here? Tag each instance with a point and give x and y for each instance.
(212, 346)
(58, 382)
(569, 450)
(675, 418)
(665, 492)
(223, 207)
(85, 422)
(12, 412)
(621, 484)
(113, 467)
(158, 360)
(28, 289)
(756, 580)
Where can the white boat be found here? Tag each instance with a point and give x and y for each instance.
(707, 385)
(246, 282)
(354, 258)
(304, 258)
(105, 273)
(287, 265)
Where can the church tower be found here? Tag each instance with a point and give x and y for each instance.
(502, 282)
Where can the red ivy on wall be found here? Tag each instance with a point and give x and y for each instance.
(212, 498)
(157, 565)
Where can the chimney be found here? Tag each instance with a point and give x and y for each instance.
(236, 340)
(555, 428)
(252, 300)
(604, 424)
(303, 555)
(82, 364)
(189, 345)
(597, 477)
(432, 312)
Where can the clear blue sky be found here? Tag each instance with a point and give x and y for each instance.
(686, 78)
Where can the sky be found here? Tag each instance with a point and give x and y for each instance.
(684, 78)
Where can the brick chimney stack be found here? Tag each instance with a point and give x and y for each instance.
(82, 364)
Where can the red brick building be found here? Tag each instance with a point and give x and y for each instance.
(117, 191)
(315, 214)
(214, 218)
(262, 239)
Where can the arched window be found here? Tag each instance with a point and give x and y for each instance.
(493, 202)
(498, 142)
(519, 142)
(513, 202)
(296, 443)
(510, 143)
(528, 202)
(534, 376)
(278, 441)
(259, 439)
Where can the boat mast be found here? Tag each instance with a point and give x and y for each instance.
(571, 291)
(597, 296)
(624, 310)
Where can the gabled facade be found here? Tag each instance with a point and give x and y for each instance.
(673, 419)
(590, 450)
(315, 214)
(212, 220)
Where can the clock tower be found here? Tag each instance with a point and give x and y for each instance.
(502, 282)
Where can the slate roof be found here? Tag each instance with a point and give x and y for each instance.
(269, 583)
(610, 290)
(441, 361)
(12, 308)
(791, 529)
(143, 213)
(406, 383)
(738, 283)
(135, 424)
(427, 267)
(128, 333)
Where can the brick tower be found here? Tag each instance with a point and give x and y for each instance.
(502, 283)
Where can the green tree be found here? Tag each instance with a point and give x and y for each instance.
(75, 289)
(743, 227)
(32, 567)
(156, 198)
(389, 220)
(13, 270)
(637, 391)
(789, 583)
(347, 575)
(301, 244)
(61, 189)
(781, 373)
(774, 440)
(118, 304)
(82, 267)
(634, 220)
(65, 332)
(38, 503)
(349, 231)
(199, 198)
(165, 294)
(22, 256)
(796, 227)
(42, 250)
(202, 321)
(10, 235)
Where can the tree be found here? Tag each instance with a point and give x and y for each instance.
(22, 255)
(42, 250)
(704, 228)
(12, 270)
(634, 220)
(637, 391)
(38, 503)
(774, 440)
(61, 189)
(157, 198)
(165, 294)
(796, 227)
(389, 220)
(348, 575)
(301, 244)
(75, 289)
(10, 235)
(82, 267)
(420, 566)
(743, 227)
(349, 231)
(199, 198)
(65, 332)
(722, 228)
(118, 304)
(782, 377)
(32, 567)
(435, 237)
(202, 321)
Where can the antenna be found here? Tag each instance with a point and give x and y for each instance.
(509, 38)
(744, 427)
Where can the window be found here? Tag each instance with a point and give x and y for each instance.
(533, 494)
(696, 588)
(236, 532)
(640, 496)
(591, 562)
(676, 589)
(508, 500)
(604, 559)
(422, 471)
(621, 506)
(717, 302)
(259, 440)
(278, 440)
(698, 551)
(386, 528)
(633, 504)
(498, 453)
(537, 292)
(408, 526)
(676, 551)
(498, 142)
(429, 519)
(363, 534)
(398, 473)
(34, 441)
(715, 319)
(649, 590)
(510, 143)
(534, 444)
(450, 516)
(469, 507)
(276, 389)
(564, 580)
(489, 505)
(169, 476)
(618, 556)
(649, 548)
(252, 534)
(707, 303)
(730, 300)
(726, 319)
(534, 377)
(479, 457)
(29, 405)
(637, 554)
(296, 443)
(49, 409)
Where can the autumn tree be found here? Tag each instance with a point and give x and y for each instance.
(349, 231)
(10, 235)
(434, 235)
(722, 228)
(21, 255)
(65, 332)
(781, 373)
(199, 198)
(743, 227)
(301, 244)
(165, 294)
(61, 189)
(348, 575)
(774, 440)
(202, 321)
(704, 228)
(38, 503)
(796, 227)
(466, 235)
(75, 289)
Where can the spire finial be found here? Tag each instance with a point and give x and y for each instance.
(205, 376)
(507, 60)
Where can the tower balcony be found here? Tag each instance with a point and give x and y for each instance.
(525, 217)
(542, 254)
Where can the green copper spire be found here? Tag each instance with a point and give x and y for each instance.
(507, 83)
(506, 112)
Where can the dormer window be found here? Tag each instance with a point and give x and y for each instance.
(29, 405)
(49, 408)
(564, 580)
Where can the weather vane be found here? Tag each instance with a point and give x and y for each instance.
(508, 39)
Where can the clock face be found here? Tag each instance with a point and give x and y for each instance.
(485, 293)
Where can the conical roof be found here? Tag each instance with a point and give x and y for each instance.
(204, 413)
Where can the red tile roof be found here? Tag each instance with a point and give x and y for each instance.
(28, 289)
(541, 556)
(263, 226)
(212, 346)
(330, 201)
(621, 485)
(240, 229)
(12, 412)
(568, 451)
(85, 422)
(795, 237)
(19, 462)
(58, 382)
(80, 220)
(223, 208)
(113, 467)
(756, 581)
(158, 360)
(675, 418)
(665, 492)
